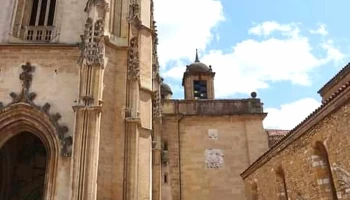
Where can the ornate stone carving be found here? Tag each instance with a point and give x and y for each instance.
(26, 78)
(133, 59)
(92, 46)
(133, 54)
(27, 97)
(101, 6)
(134, 17)
(343, 178)
(155, 63)
(214, 158)
(157, 108)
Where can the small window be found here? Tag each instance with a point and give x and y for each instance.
(165, 145)
(200, 89)
(165, 178)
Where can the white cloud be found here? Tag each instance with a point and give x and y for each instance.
(321, 30)
(253, 64)
(290, 115)
(185, 25)
(269, 27)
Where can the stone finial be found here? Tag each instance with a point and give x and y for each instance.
(253, 95)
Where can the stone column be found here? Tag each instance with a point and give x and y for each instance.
(88, 110)
(156, 161)
(86, 152)
(132, 115)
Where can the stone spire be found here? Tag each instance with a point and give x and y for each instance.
(197, 59)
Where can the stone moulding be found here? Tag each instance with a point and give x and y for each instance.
(27, 97)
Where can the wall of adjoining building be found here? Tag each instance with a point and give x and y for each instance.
(313, 166)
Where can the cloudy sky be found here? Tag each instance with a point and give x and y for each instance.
(284, 49)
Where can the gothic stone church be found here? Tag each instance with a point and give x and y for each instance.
(84, 114)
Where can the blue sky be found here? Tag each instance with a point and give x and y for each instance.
(284, 50)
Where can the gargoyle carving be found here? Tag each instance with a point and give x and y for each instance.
(27, 97)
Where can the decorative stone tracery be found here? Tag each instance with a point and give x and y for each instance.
(157, 108)
(133, 59)
(133, 53)
(92, 47)
(27, 97)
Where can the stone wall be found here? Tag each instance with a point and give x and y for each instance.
(208, 153)
(313, 158)
(55, 81)
(111, 160)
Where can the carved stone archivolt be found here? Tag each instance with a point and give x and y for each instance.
(27, 97)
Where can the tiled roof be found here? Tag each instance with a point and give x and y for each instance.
(307, 119)
(341, 72)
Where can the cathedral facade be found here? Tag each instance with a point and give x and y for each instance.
(84, 114)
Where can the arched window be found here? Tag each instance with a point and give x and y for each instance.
(34, 20)
(320, 162)
(281, 184)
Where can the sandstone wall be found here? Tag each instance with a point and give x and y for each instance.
(111, 160)
(55, 81)
(299, 162)
(238, 139)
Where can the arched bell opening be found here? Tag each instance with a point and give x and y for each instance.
(23, 168)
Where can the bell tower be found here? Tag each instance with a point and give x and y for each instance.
(198, 81)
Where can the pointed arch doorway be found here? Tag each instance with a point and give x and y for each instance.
(23, 162)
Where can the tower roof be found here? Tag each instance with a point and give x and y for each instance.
(197, 66)
(165, 89)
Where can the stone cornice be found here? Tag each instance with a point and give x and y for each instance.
(39, 45)
(133, 120)
(213, 107)
(113, 43)
(146, 90)
(336, 78)
(90, 108)
(331, 105)
(238, 116)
